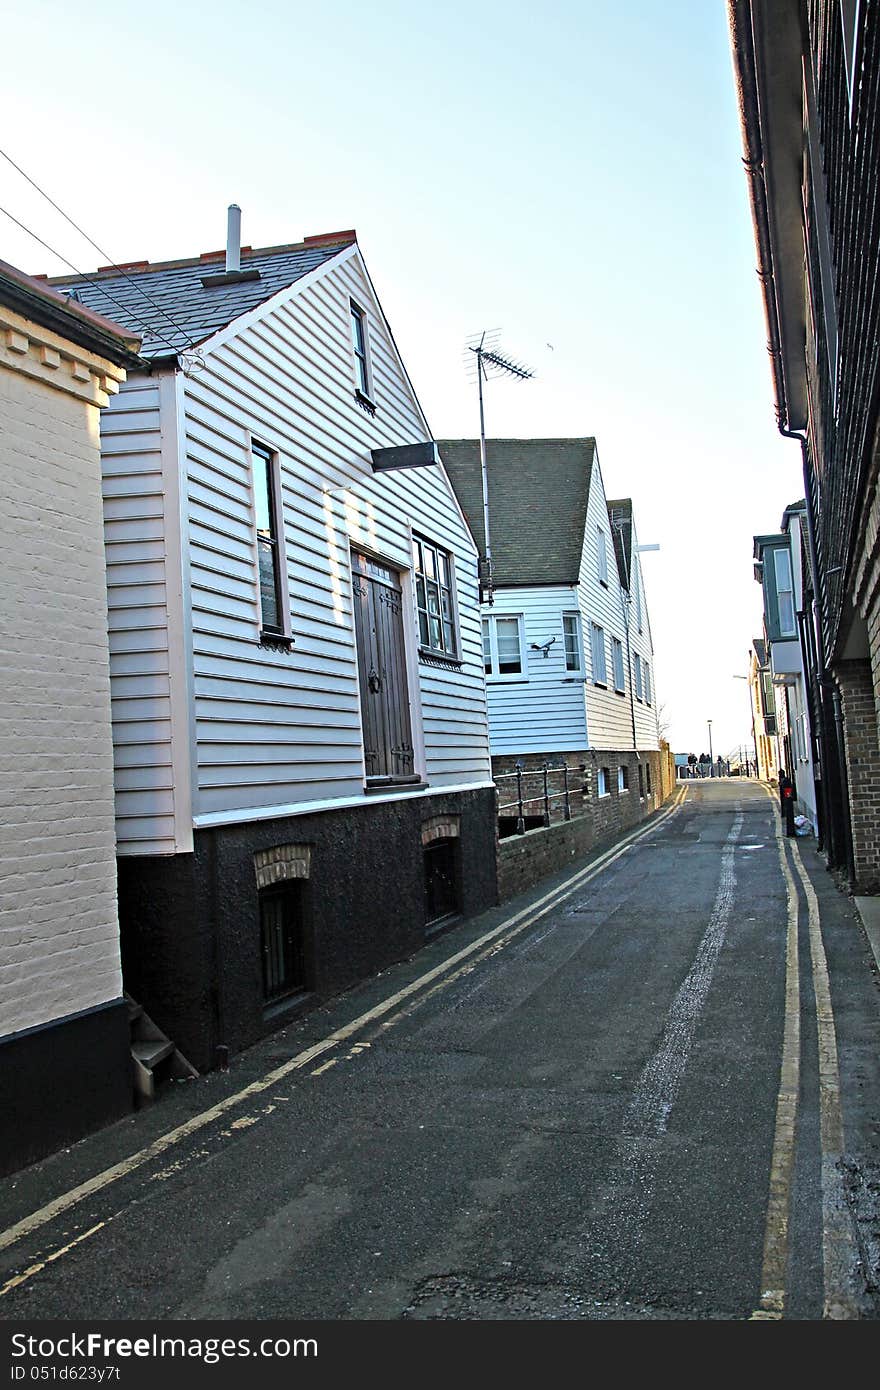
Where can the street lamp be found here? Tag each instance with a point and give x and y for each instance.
(751, 717)
(711, 759)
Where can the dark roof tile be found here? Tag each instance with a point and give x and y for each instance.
(538, 493)
(173, 310)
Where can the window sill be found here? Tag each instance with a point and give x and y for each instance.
(601, 685)
(364, 402)
(279, 640)
(432, 658)
(288, 1004)
(376, 786)
(506, 680)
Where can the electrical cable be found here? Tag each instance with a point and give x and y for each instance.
(125, 308)
(99, 249)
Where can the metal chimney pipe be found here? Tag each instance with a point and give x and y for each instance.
(233, 239)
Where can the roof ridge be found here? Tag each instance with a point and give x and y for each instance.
(134, 268)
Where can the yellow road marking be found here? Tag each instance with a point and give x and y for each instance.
(839, 1253)
(775, 1261)
(41, 1264)
(511, 927)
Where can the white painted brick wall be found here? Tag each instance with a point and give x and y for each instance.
(59, 933)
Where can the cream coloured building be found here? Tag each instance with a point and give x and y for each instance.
(65, 1065)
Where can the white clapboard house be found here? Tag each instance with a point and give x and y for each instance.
(567, 642)
(303, 783)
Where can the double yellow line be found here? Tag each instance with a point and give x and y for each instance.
(839, 1251)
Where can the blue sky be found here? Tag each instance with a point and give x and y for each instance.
(569, 174)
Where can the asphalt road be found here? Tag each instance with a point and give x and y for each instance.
(603, 1101)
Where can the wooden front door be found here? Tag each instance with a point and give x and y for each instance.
(378, 623)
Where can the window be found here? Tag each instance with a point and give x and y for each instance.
(602, 782)
(623, 779)
(574, 647)
(647, 674)
(648, 778)
(270, 533)
(281, 941)
(784, 592)
(602, 553)
(502, 646)
(361, 351)
(597, 648)
(441, 881)
(434, 589)
(637, 663)
(617, 663)
(641, 781)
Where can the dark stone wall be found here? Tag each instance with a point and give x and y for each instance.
(190, 924)
(62, 1080)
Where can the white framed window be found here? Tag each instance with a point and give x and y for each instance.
(434, 584)
(271, 554)
(597, 651)
(602, 782)
(503, 646)
(637, 667)
(784, 592)
(617, 663)
(646, 671)
(602, 556)
(360, 342)
(623, 778)
(574, 644)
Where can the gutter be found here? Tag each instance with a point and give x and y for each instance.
(744, 66)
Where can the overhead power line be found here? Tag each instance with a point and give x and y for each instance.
(101, 252)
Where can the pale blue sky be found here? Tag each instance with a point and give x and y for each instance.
(567, 173)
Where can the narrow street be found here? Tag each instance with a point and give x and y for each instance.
(647, 1092)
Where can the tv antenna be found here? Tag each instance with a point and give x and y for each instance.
(490, 360)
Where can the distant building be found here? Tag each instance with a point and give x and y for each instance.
(65, 1063)
(567, 645)
(780, 564)
(767, 725)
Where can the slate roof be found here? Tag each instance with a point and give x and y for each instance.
(760, 647)
(620, 517)
(172, 310)
(538, 492)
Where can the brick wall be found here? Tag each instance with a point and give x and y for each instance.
(59, 939)
(856, 685)
(523, 859)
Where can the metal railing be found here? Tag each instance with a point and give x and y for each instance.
(545, 798)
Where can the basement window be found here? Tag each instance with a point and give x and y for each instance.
(442, 898)
(282, 942)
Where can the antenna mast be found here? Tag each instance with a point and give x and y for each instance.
(489, 355)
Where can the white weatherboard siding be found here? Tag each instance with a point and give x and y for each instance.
(138, 452)
(543, 711)
(647, 725)
(282, 728)
(609, 713)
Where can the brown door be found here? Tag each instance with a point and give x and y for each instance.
(378, 623)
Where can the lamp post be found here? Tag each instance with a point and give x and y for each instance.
(751, 717)
(711, 759)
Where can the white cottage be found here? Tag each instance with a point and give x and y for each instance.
(567, 642)
(303, 783)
